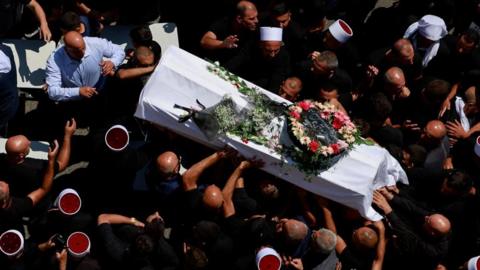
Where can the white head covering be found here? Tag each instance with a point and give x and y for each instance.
(271, 33)
(431, 27)
(472, 263)
(341, 31)
(267, 251)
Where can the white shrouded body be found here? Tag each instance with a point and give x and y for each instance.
(182, 78)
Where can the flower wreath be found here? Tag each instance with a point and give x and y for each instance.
(321, 145)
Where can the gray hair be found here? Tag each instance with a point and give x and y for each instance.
(329, 57)
(325, 241)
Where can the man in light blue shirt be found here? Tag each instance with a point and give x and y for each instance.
(78, 70)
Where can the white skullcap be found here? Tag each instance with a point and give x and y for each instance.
(271, 33)
(432, 27)
(268, 259)
(477, 147)
(341, 31)
(473, 263)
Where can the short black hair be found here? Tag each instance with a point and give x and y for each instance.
(143, 246)
(141, 35)
(278, 8)
(70, 21)
(418, 154)
(459, 181)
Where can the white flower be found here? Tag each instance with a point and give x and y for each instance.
(330, 150)
(297, 109)
(305, 140)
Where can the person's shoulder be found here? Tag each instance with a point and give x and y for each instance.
(220, 25)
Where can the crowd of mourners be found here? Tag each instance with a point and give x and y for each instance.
(407, 74)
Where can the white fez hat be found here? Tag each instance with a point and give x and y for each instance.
(78, 244)
(473, 263)
(271, 33)
(476, 148)
(11, 243)
(432, 27)
(268, 259)
(341, 31)
(68, 202)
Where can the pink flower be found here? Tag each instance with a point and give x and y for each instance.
(336, 148)
(342, 144)
(295, 114)
(305, 105)
(340, 115)
(313, 145)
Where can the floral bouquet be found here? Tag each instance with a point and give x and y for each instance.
(321, 134)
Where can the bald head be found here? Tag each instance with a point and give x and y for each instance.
(294, 231)
(365, 238)
(394, 75)
(243, 6)
(74, 45)
(213, 197)
(403, 51)
(435, 129)
(437, 225)
(145, 56)
(17, 148)
(247, 15)
(167, 163)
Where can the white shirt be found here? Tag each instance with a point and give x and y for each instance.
(5, 65)
(459, 106)
(66, 75)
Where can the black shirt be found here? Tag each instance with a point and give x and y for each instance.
(222, 29)
(23, 177)
(413, 71)
(10, 14)
(251, 65)
(11, 217)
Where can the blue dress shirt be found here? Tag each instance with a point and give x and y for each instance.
(66, 75)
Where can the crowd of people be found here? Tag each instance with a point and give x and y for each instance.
(408, 75)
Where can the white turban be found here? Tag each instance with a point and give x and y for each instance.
(430, 27)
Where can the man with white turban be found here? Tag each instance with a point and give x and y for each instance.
(425, 35)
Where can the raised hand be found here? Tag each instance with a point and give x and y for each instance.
(380, 201)
(70, 127)
(52, 153)
(231, 42)
(455, 130)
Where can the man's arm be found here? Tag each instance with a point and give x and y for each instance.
(35, 7)
(54, 82)
(118, 219)
(381, 245)
(64, 154)
(209, 41)
(191, 176)
(39, 193)
(130, 73)
(113, 51)
(227, 191)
